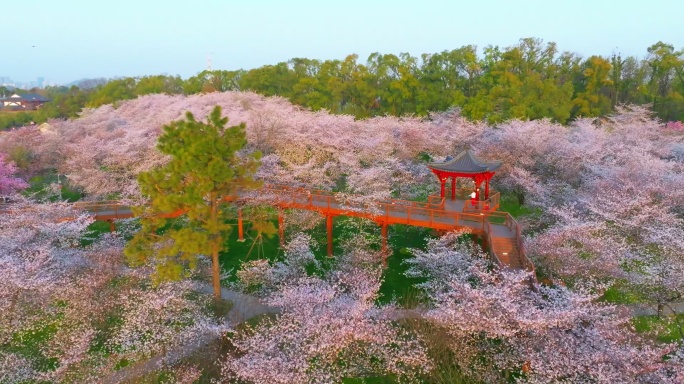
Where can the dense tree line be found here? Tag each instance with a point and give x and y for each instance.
(529, 80)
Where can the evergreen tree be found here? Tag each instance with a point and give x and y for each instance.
(205, 170)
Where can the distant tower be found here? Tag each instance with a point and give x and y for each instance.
(209, 55)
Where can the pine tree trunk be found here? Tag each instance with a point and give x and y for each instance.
(215, 267)
(215, 270)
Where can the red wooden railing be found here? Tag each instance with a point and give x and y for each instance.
(488, 235)
(490, 204)
(429, 214)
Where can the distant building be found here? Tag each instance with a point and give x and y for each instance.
(25, 101)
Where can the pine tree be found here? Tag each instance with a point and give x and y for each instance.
(205, 171)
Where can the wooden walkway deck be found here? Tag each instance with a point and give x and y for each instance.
(499, 231)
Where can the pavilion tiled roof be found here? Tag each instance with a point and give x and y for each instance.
(466, 162)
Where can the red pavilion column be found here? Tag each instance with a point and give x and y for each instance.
(453, 188)
(487, 187)
(442, 181)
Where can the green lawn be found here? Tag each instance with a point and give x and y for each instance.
(28, 343)
(665, 329)
(402, 238)
(510, 204)
(617, 295)
(253, 248)
(38, 184)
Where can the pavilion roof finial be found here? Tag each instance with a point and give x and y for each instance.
(458, 148)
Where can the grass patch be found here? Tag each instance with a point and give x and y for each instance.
(38, 186)
(371, 380)
(664, 329)
(254, 247)
(29, 342)
(93, 232)
(616, 295)
(402, 238)
(395, 284)
(257, 246)
(511, 205)
(105, 329)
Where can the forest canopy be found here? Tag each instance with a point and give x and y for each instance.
(531, 80)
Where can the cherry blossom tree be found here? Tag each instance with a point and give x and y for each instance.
(306, 148)
(499, 323)
(262, 277)
(576, 247)
(609, 191)
(624, 223)
(9, 184)
(60, 295)
(39, 263)
(328, 327)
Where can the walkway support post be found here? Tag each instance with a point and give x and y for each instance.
(383, 234)
(329, 228)
(481, 240)
(281, 227)
(112, 226)
(241, 234)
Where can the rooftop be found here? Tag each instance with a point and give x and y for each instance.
(25, 97)
(466, 162)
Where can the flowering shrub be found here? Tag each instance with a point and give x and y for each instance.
(497, 322)
(675, 126)
(9, 183)
(328, 327)
(71, 313)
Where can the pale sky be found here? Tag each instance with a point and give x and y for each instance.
(77, 39)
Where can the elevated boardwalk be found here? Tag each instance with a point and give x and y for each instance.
(499, 231)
